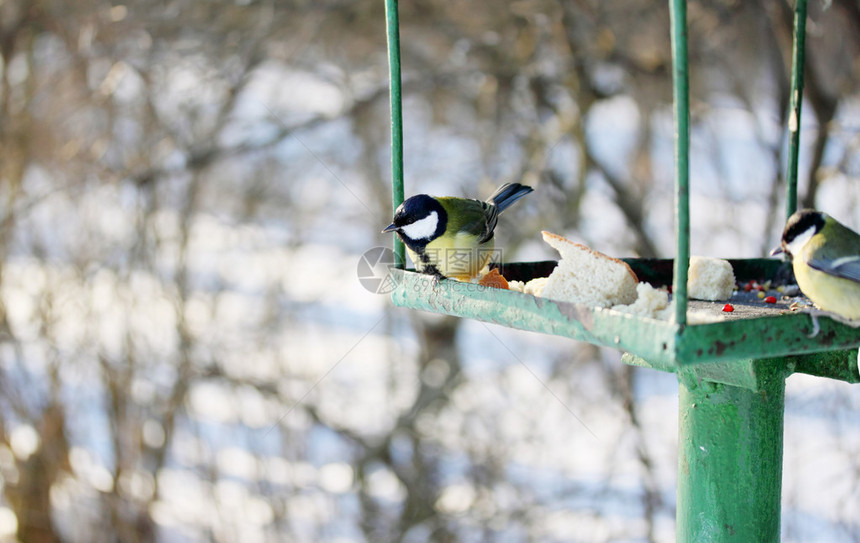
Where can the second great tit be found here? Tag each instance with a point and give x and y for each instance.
(825, 256)
(452, 237)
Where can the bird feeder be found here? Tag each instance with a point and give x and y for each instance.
(731, 373)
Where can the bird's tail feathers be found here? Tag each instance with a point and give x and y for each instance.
(507, 194)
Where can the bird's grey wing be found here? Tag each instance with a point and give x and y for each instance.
(491, 216)
(847, 267)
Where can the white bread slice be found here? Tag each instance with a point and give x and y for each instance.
(710, 279)
(587, 277)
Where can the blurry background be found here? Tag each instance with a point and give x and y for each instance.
(186, 188)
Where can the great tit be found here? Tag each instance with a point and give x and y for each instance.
(825, 256)
(452, 237)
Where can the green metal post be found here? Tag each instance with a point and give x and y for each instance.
(798, 55)
(681, 107)
(730, 462)
(393, 32)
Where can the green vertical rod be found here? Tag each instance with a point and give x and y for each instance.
(392, 21)
(730, 442)
(798, 56)
(681, 110)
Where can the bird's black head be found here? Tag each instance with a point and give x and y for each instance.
(419, 220)
(801, 226)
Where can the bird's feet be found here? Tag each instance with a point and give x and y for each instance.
(813, 313)
(816, 328)
(437, 275)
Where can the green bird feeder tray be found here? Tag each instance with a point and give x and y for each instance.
(731, 373)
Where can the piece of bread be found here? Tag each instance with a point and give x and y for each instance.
(587, 277)
(710, 279)
(649, 301)
(535, 286)
(517, 286)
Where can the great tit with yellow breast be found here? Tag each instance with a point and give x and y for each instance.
(452, 237)
(825, 256)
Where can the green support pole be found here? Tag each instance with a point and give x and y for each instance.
(681, 109)
(392, 20)
(798, 55)
(730, 462)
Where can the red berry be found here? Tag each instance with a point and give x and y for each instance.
(770, 300)
(748, 287)
(728, 308)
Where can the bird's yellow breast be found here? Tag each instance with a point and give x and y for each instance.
(830, 293)
(456, 256)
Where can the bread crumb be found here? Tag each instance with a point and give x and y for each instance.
(649, 301)
(517, 286)
(710, 279)
(535, 286)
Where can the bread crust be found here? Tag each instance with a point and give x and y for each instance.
(555, 237)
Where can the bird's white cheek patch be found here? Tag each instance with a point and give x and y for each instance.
(422, 229)
(798, 242)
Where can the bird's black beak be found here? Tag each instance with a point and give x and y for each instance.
(777, 251)
(390, 228)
